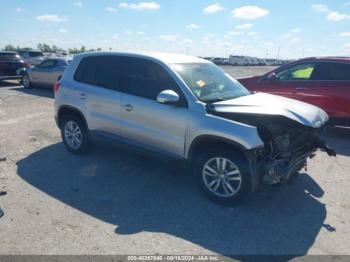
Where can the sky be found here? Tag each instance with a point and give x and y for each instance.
(263, 28)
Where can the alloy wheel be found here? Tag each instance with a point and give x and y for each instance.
(222, 177)
(73, 134)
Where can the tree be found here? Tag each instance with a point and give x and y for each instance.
(9, 48)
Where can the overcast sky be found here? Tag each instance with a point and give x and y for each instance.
(200, 27)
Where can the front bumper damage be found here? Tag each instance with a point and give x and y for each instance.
(272, 170)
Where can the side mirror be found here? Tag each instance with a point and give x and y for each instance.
(168, 97)
(272, 76)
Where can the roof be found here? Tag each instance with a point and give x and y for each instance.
(25, 50)
(167, 58)
(58, 58)
(328, 58)
(8, 52)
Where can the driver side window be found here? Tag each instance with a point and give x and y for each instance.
(296, 73)
(47, 64)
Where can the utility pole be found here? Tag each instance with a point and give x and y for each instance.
(278, 53)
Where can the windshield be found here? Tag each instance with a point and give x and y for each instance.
(209, 83)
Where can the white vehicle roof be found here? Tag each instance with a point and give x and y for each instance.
(167, 58)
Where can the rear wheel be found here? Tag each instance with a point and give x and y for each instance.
(75, 135)
(224, 176)
(26, 82)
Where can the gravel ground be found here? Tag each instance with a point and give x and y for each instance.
(117, 202)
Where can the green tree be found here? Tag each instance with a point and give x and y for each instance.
(9, 48)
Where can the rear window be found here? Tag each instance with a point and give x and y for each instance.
(9, 57)
(35, 54)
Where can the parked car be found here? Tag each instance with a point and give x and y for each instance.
(44, 74)
(324, 82)
(10, 62)
(189, 109)
(220, 61)
(32, 57)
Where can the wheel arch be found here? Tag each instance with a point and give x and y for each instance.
(68, 110)
(203, 142)
(209, 141)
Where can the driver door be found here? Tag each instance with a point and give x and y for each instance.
(145, 122)
(291, 82)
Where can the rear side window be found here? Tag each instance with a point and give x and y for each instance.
(9, 57)
(340, 71)
(331, 71)
(146, 79)
(100, 71)
(322, 71)
(48, 64)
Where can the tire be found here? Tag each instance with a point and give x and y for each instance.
(26, 82)
(75, 135)
(235, 183)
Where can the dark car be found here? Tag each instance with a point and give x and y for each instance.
(321, 81)
(10, 62)
(46, 73)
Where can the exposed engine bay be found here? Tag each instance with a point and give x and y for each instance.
(288, 144)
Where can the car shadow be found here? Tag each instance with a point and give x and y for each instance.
(138, 194)
(4, 83)
(338, 138)
(37, 91)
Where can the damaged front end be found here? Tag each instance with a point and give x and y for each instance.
(287, 145)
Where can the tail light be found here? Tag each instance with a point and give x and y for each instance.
(56, 86)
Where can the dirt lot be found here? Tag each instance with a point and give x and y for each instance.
(117, 202)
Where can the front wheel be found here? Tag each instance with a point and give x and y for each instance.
(75, 135)
(224, 177)
(26, 82)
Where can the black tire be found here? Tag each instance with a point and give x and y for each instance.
(84, 146)
(243, 190)
(26, 82)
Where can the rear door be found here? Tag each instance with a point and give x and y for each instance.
(97, 88)
(53, 72)
(289, 81)
(145, 122)
(330, 88)
(39, 74)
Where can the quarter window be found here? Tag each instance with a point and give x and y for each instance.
(297, 72)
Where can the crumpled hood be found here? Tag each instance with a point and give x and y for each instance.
(267, 104)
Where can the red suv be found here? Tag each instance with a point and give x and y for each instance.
(324, 82)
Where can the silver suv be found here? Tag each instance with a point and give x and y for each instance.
(187, 108)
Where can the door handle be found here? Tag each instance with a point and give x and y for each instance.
(82, 96)
(128, 107)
